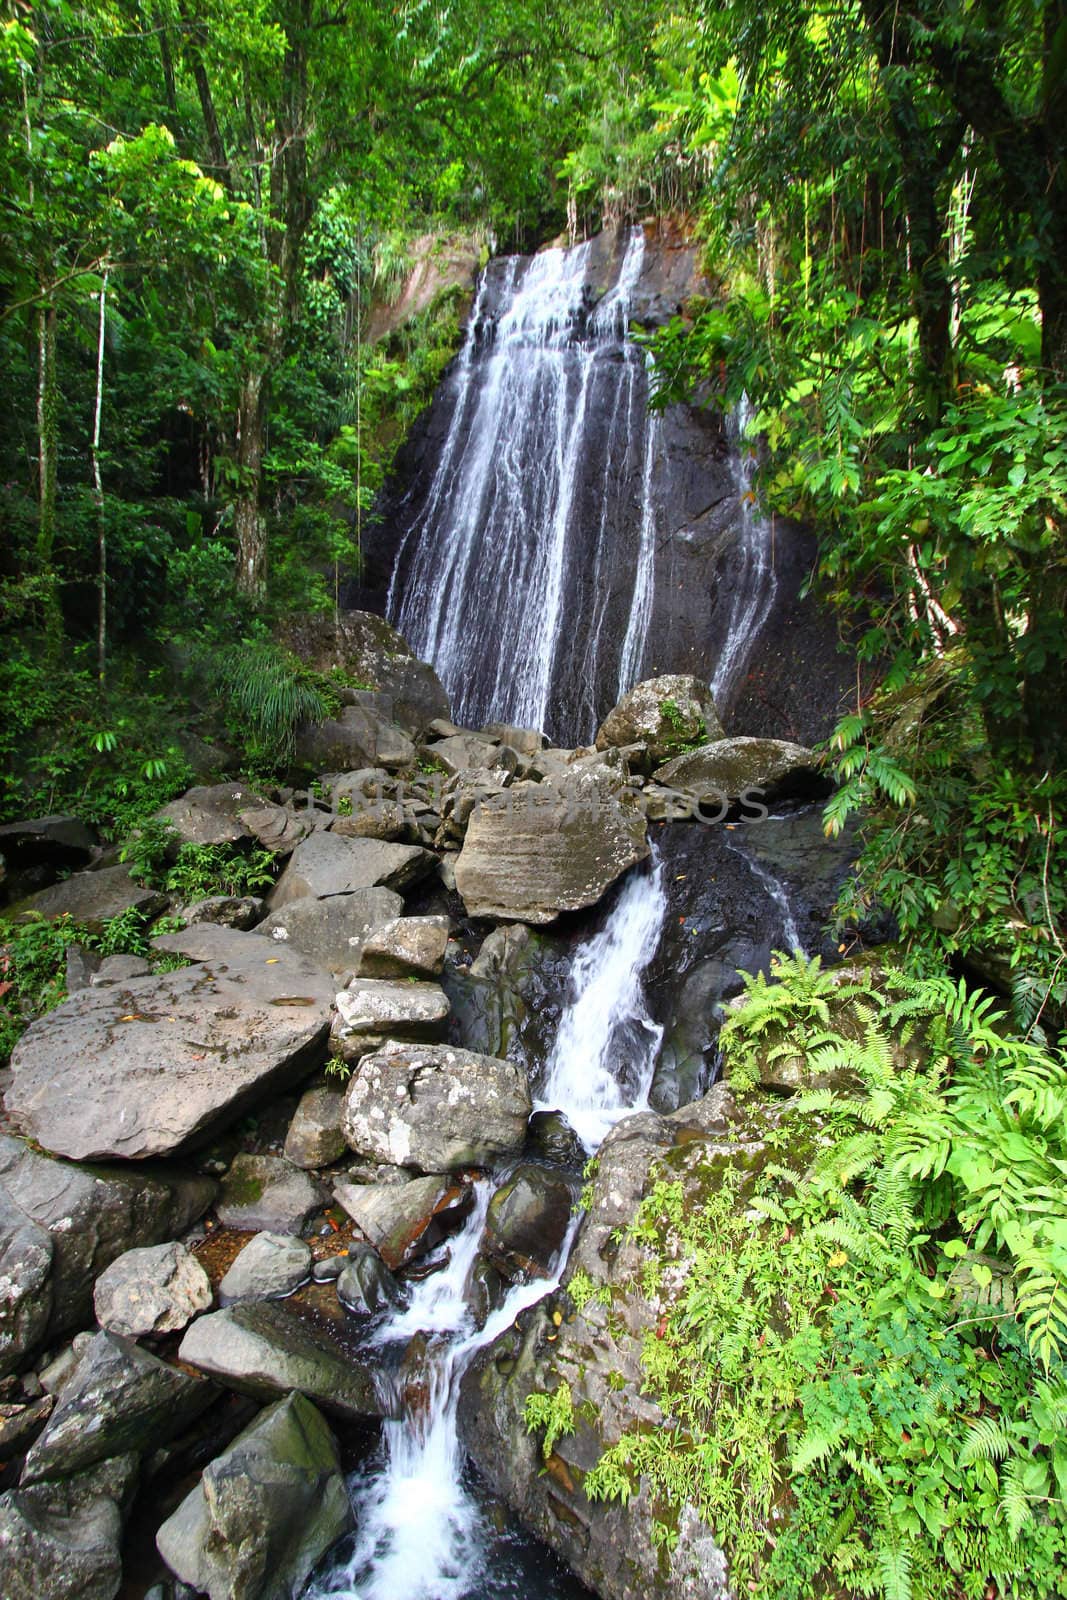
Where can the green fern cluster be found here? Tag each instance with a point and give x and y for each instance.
(266, 696)
(864, 1378)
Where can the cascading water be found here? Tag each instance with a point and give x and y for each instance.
(604, 1056)
(518, 536)
(420, 1533)
(756, 584)
(777, 892)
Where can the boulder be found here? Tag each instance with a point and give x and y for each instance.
(165, 1060)
(328, 864)
(36, 851)
(270, 1266)
(365, 1285)
(461, 752)
(268, 1194)
(372, 1010)
(20, 1425)
(62, 1225)
(120, 1399)
(91, 898)
(279, 828)
(369, 650)
(263, 1348)
(315, 1138)
(356, 736)
(374, 819)
(404, 1220)
(332, 931)
(154, 1290)
(663, 714)
(50, 1556)
(435, 1108)
(119, 969)
(543, 848)
(527, 1220)
(404, 947)
(228, 911)
(264, 1512)
(732, 767)
(525, 741)
(211, 813)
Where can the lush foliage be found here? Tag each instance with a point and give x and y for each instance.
(863, 1372)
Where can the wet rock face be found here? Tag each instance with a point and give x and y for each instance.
(165, 1059)
(264, 1511)
(435, 1108)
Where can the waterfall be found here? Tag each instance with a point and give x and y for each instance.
(777, 892)
(604, 1055)
(756, 584)
(420, 1535)
(521, 545)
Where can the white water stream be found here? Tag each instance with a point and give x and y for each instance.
(756, 584)
(420, 1534)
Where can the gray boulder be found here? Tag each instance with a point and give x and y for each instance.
(270, 1265)
(210, 813)
(549, 847)
(229, 911)
(279, 828)
(405, 946)
(119, 969)
(45, 1555)
(263, 1349)
(662, 714)
(372, 1010)
(731, 767)
(526, 741)
(356, 737)
(62, 1225)
(463, 751)
(404, 1220)
(165, 1060)
(315, 1138)
(328, 864)
(435, 1108)
(267, 1194)
(366, 1286)
(91, 898)
(369, 650)
(527, 1221)
(45, 846)
(155, 1290)
(120, 1399)
(332, 931)
(264, 1512)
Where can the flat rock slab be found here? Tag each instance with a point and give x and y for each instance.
(543, 848)
(373, 1009)
(405, 946)
(435, 1108)
(165, 1060)
(61, 1225)
(404, 1220)
(328, 864)
(119, 1399)
(92, 898)
(263, 1349)
(730, 767)
(268, 1193)
(155, 1290)
(332, 931)
(265, 1511)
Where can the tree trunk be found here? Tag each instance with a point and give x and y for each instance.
(98, 490)
(48, 470)
(251, 574)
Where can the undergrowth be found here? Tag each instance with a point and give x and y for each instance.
(862, 1377)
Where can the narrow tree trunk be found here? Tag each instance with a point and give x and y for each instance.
(251, 575)
(48, 470)
(98, 490)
